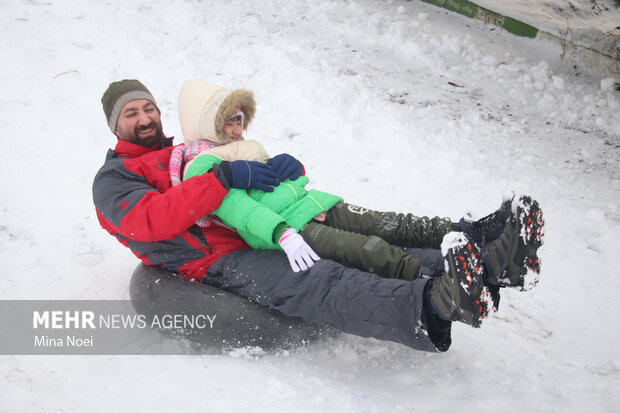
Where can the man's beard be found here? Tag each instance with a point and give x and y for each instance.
(151, 140)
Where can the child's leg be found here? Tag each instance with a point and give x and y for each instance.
(404, 230)
(367, 253)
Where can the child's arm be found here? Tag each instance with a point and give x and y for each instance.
(255, 222)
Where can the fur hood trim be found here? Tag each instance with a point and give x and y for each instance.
(204, 107)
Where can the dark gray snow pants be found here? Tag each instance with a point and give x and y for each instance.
(351, 300)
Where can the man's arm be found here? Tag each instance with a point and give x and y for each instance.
(138, 211)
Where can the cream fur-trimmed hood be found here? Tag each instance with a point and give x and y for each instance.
(204, 107)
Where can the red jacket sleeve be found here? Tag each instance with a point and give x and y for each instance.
(140, 212)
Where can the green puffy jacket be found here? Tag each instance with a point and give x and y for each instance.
(256, 214)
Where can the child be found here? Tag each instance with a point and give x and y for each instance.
(212, 120)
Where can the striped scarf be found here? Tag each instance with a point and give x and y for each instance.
(185, 152)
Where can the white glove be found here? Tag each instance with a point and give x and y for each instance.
(299, 254)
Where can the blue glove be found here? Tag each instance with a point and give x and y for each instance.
(285, 167)
(252, 174)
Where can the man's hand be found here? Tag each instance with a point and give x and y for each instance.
(300, 255)
(249, 174)
(285, 167)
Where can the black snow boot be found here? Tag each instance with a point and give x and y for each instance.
(460, 294)
(510, 258)
(489, 228)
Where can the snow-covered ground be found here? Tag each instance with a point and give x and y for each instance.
(392, 104)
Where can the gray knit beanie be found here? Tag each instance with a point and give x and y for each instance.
(118, 94)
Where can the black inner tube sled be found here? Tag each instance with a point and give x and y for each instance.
(237, 321)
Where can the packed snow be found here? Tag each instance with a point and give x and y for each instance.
(394, 105)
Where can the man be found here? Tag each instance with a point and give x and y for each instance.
(136, 203)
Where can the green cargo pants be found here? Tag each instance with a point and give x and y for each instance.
(370, 240)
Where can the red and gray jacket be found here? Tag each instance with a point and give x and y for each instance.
(137, 203)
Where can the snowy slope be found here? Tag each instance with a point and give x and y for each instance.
(394, 105)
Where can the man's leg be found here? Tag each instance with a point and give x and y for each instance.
(431, 261)
(367, 253)
(353, 301)
(460, 293)
(404, 230)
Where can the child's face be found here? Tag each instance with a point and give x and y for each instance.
(233, 128)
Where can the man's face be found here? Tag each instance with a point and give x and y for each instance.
(139, 122)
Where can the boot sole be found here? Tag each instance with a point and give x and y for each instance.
(531, 237)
